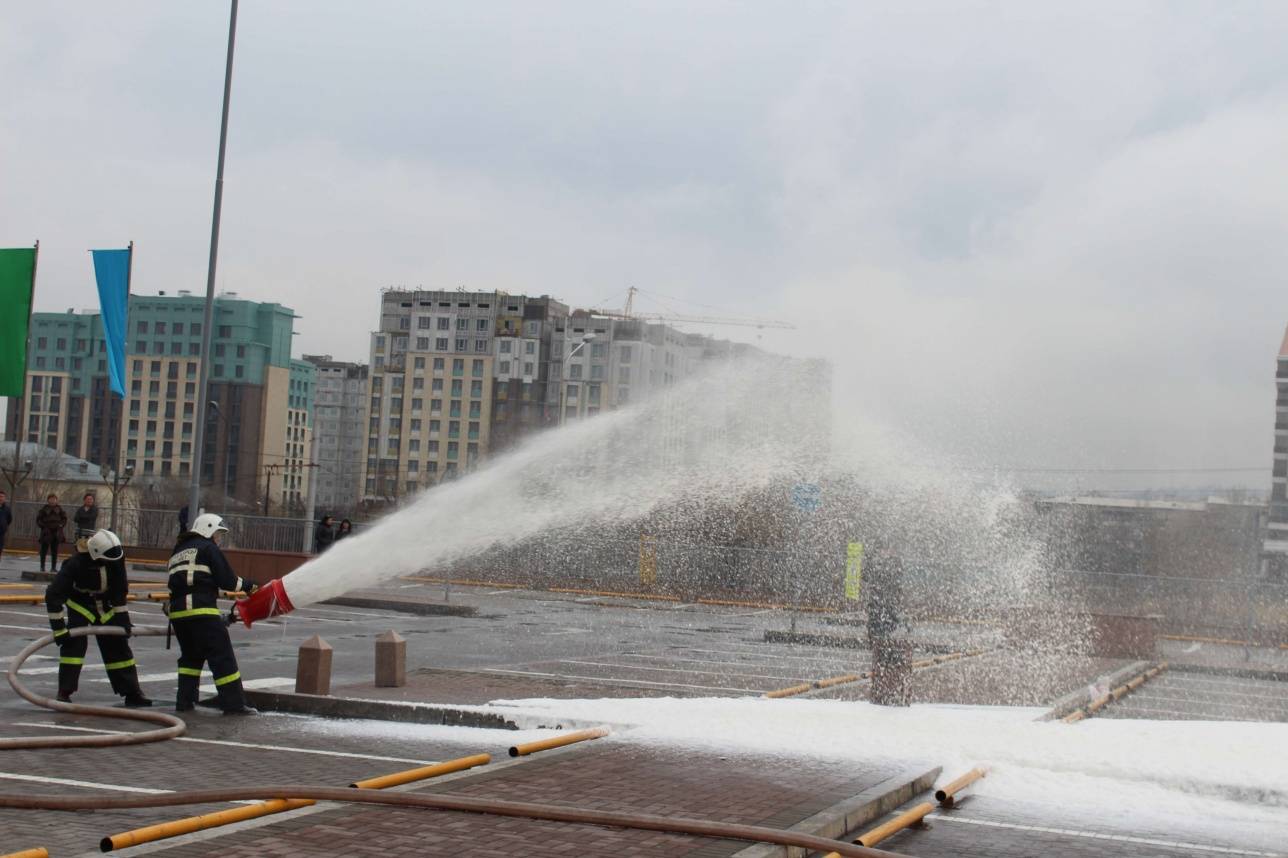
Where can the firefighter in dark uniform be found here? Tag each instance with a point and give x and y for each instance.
(198, 571)
(90, 590)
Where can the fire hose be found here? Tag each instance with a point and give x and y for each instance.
(494, 807)
(170, 725)
(174, 727)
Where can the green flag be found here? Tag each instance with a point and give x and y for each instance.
(17, 278)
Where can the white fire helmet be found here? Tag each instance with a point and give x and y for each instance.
(104, 545)
(208, 524)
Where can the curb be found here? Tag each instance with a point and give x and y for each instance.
(1241, 672)
(850, 814)
(424, 609)
(1075, 700)
(376, 710)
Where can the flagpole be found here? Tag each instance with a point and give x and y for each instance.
(199, 431)
(20, 431)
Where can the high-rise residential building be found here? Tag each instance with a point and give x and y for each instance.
(605, 362)
(448, 370)
(258, 424)
(523, 397)
(1276, 542)
(339, 425)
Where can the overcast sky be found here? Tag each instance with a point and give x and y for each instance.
(1028, 233)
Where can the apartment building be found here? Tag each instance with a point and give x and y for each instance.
(258, 423)
(454, 375)
(604, 362)
(523, 398)
(339, 426)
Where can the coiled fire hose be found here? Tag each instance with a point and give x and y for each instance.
(175, 727)
(171, 726)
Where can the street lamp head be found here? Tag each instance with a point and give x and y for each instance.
(585, 338)
(129, 468)
(28, 464)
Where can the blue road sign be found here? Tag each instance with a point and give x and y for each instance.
(806, 496)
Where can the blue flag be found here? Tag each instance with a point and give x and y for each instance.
(112, 270)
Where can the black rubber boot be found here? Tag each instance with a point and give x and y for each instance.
(136, 700)
(186, 695)
(245, 710)
(64, 697)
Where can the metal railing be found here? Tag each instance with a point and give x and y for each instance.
(158, 528)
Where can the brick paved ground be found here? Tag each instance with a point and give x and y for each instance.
(607, 775)
(213, 754)
(983, 827)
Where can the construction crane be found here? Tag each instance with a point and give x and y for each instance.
(627, 312)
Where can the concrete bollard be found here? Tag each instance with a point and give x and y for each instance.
(391, 660)
(313, 667)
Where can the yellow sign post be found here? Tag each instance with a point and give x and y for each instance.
(853, 570)
(648, 560)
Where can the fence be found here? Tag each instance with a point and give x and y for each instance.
(1248, 609)
(157, 528)
(812, 576)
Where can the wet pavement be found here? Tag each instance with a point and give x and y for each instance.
(531, 644)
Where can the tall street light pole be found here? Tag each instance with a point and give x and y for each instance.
(118, 484)
(199, 433)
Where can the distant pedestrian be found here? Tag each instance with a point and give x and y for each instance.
(86, 517)
(345, 529)
(183, 520)
(50, 522)
(6, 519)
(324, 535)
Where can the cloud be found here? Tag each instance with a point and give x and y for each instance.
(1024, 233)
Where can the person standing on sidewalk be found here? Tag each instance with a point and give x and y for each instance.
(86, 518)
(50, 521)
(198, 571)
(345, 530)
(91, 590)
(324, 535)
(6, 519)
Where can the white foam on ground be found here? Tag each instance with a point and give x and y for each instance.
(1234, 771)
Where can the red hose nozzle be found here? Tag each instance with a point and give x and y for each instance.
(268, 601)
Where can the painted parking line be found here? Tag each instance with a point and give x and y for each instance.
(44, 629)
(1228, 700)
(683, 670)
(170, 676)
(41, 779)
(1096, 835)
(283, 748)
(769, 654)
(1149, 713)
(636, 682)
(783, 663)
